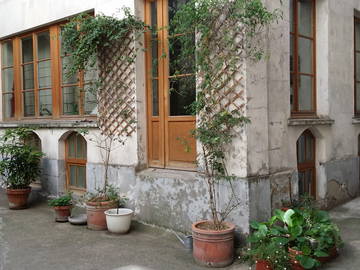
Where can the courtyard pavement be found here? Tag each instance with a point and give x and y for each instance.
(31, 240)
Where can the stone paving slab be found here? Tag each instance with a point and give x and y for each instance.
(31, 240)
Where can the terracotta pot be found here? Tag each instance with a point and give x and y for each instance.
(263, 265)
(213, 248)
(62, 213)
(295, 264)
(18, 198)
(96, 219)
(333, 253)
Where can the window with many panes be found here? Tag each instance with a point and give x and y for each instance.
(357, 66)
(302, 58)
(35, 82)
(171, 88)
(75, 158)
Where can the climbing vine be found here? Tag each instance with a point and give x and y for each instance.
(228, 33)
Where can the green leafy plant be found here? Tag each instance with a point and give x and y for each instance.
(20, 163)
(222, 34)
(64, 200)
(110, 193)
(268, 243)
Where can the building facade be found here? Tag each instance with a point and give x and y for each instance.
(303, 102)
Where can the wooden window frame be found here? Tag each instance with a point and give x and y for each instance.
(74, 162)
(56, 78)
(164, 119)
(356, 81)
(295, 74)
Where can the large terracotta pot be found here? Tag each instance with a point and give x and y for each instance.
(18, 198)
(62, 213)
(96, 219)
(213, 248)
(263, 265)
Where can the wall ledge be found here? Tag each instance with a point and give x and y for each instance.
(51, 124)
(356, 120)
(323, 121)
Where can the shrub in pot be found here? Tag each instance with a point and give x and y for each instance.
(62, 207)
(19, 166)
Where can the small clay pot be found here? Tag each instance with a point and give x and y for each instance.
(333, 253)
(263, 265)
(295, 264)
(62, 213)
(18, 198)
(213, 248)
(95, 211)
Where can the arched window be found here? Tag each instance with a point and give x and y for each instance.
(75, 158)
(306, 163)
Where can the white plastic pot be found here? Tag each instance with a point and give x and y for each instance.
(118, 220)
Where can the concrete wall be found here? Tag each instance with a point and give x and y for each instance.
(336, 132)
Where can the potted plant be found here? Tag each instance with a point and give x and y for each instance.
(118, 220)
(220, 119)
(267, 247)
(62, 207)
(19, 166)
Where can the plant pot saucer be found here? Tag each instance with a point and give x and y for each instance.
(78, 220)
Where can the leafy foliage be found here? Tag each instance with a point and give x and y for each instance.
(64, 200)
(108, 193)
(20, 163)
(227, 33)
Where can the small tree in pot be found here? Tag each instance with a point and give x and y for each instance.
(227, 34)
(19, 166)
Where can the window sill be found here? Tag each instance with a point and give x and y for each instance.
(51, 124)
(320, 121)
(356, 120)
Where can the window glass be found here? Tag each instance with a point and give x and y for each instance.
(90, 106)
(73, 175)
(358, 97)
(27, 49)
(8, 79)
(9, 105)
(70, 100)
(301, 149)
(28, 76)
(305, 17)
(7, 54)
(45, 102)
(29, 103)
(44, 74)
(357, 35)
(43, 45)
(305, 55)
(305, 93)
(81, 174)
(182, 94)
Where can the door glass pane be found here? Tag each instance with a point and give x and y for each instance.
(28, 76)
(44, 74)
(155, 97)
(43, 40)
(305, 93)
(309, 148)
(154, 60)
(81, 173)
(45, 102)
(67, 62)
(305, 17)
(357, 35)
(7, 54)
(72, 175)
(9, 102)
(8, 80)
(29, 103)
(292, 53)
(27, 49)
(181, 64)
(70, 100)
(301, 149)
(174, 6)
(182, 94)
(305, 55)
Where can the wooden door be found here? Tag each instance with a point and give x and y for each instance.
(306, 163)
(169, 93)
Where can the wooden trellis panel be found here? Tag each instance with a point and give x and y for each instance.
(116, 98)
